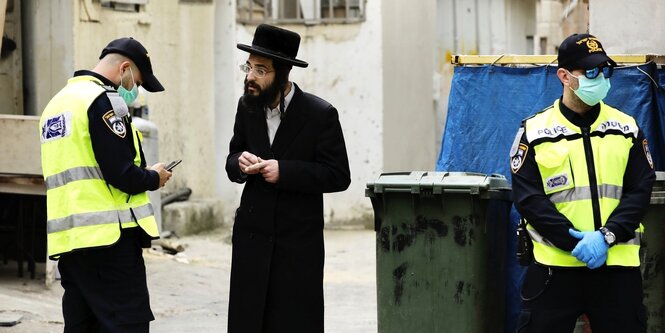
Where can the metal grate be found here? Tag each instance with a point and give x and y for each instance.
(307, 12)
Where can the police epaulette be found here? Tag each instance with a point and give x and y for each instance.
(108, 88)
(119, 106)
(537, 113)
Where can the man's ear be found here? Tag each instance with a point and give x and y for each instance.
(125, 65)
(563, 76)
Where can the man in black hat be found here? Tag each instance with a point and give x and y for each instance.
(98, 211)
(582, 178)
(288, 149)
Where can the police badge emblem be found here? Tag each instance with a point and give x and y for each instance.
(518, 157)
(115, 124)
(647, 153)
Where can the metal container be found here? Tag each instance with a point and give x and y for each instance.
(440, 249)
(651, 254)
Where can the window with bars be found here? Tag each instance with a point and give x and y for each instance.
(301, 11)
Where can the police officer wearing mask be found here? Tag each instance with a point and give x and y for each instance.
(582, 177)
(98, 212)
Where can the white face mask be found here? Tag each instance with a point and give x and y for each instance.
(591, 91)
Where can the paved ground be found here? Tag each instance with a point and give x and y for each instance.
(190, 293)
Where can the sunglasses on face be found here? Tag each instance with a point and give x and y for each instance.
(594, 72)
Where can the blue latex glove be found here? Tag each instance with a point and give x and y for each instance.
(591, 249)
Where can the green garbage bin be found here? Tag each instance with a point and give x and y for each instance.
(440, 247)
(652, 252)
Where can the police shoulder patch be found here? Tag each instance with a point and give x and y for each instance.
(647, 153)
(517, 159)
(115, 123)
(57, 127)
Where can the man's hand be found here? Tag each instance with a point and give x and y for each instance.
(591, 249)
(248, 163)
(269, 170)
(164, 175)
(251, 164)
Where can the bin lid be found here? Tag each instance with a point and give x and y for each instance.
(659, 184)
(437, 182)
(657, 198)
(146, 127)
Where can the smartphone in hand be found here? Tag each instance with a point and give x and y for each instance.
(172, 165)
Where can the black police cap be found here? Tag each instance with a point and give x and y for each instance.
(582, 51)
(132, 49)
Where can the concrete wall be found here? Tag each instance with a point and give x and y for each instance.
(68, 35)
(520, 22)
(476, 27)
(179, 39)
(226, 97)
(557, 20)
(575, 18)
(628, 27)
(48, 57)
(11, 62)
(408, 103)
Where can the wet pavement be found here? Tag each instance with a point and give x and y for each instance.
(189, 292)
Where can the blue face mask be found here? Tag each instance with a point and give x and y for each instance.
(128, 95)
(591, 91)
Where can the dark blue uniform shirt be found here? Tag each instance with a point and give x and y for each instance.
(114, 153)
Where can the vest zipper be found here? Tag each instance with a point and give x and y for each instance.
(593, 182)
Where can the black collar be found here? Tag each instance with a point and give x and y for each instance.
(580, 120)
(102, 78)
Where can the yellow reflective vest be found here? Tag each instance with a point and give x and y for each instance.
(562, 152)
(83, 210)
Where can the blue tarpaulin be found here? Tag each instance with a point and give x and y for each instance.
(487, 104)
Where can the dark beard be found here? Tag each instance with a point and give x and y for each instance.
(265, 97)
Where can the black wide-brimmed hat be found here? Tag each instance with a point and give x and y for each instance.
(275, 43)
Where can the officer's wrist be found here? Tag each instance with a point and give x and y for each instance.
(609, 236)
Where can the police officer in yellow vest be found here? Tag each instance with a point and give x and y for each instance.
(98, 212)
(582, 177)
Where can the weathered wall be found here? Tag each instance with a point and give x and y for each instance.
(346, 69)
(48, 59)
(226, 97)
(628, 27)
(476, 27)
(409, 116)
(179, 39)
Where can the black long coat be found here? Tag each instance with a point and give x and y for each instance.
(278, 254)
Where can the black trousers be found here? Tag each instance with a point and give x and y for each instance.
(105, 288)
(553, 298)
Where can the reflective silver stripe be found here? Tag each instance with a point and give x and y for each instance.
(141, 212)
(125, 216)
(611, 191)
(584, 193)
(573, 194)
(96, 218)
(144, 211)
(633, 241)
(73, 174)
(81, 220)
(536, 237)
